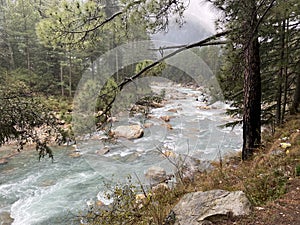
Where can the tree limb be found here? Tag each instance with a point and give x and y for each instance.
(181, 49)
(182, 46)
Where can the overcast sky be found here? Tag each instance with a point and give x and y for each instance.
(199, 24)
(203, 12)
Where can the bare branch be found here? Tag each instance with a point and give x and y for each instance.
(185, 47)
(181, 49)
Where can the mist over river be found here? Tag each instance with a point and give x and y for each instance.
(36, 193)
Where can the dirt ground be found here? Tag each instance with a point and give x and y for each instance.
(283, 211)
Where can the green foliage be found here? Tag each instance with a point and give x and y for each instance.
(297, 170)
(105, 101)
(93, 105)
(134, 204)
(156, 13)
(22, 113)
(266, 186)
(278, 52)
(155, 71)
(123, 210)
(83, 25)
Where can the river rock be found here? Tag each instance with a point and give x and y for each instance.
(5, 218)
(75, 154)
(156, 174)
(168, 126)
(165, 118)
(129, 132)
(148, 125)
(3, 161)
(197, 207)
(103, 151)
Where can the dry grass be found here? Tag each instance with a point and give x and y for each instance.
(265, 178)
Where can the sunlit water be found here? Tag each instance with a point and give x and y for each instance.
(55, 193)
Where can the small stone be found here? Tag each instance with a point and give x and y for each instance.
(259, 208)
(165, 118)
(75, 155)
(3, 161)
(103, 151)
(156, 174)
(173, 110)
(147, 125)
(168, 126)
(285, 145)
(161, 187)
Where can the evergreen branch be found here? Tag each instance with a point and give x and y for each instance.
(97, 26)
(264, 14)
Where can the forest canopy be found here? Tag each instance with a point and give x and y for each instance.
(47, 45)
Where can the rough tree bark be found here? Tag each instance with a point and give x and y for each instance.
(252, 85)
(296, 98)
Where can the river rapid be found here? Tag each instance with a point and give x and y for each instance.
(36, 193)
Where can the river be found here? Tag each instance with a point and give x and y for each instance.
(36, 193)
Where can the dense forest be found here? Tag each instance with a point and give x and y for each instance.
(47, 45)
(64, 66)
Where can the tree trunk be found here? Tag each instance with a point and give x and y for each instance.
(70, 74)
(296, 98)
(62, 80)
(280, 76)
(252, 87)
(286, 74)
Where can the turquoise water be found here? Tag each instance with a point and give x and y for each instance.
(54, 193)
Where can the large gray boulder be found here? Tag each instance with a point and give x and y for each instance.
(129, 132)
(194, 208)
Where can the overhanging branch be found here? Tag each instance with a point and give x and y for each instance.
(183, 46)
(181, 49)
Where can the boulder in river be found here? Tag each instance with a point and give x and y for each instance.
(3, 161)
(75, 154)
(5, 218)
(156, 174)
(198, 207)
(103, 151)
(129, 132)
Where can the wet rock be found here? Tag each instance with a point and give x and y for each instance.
(129, 132)
(5, 218)
(204, 107)
(131, 157)
(190, 166)
(168, 126)
(160, 188)
(199, 207)
(156, 174)
(3, 161)
(103, 151)
(173, 110)
(156, 105)
(169, 154)
(165, 118)
(147, 125)
(75, 154)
